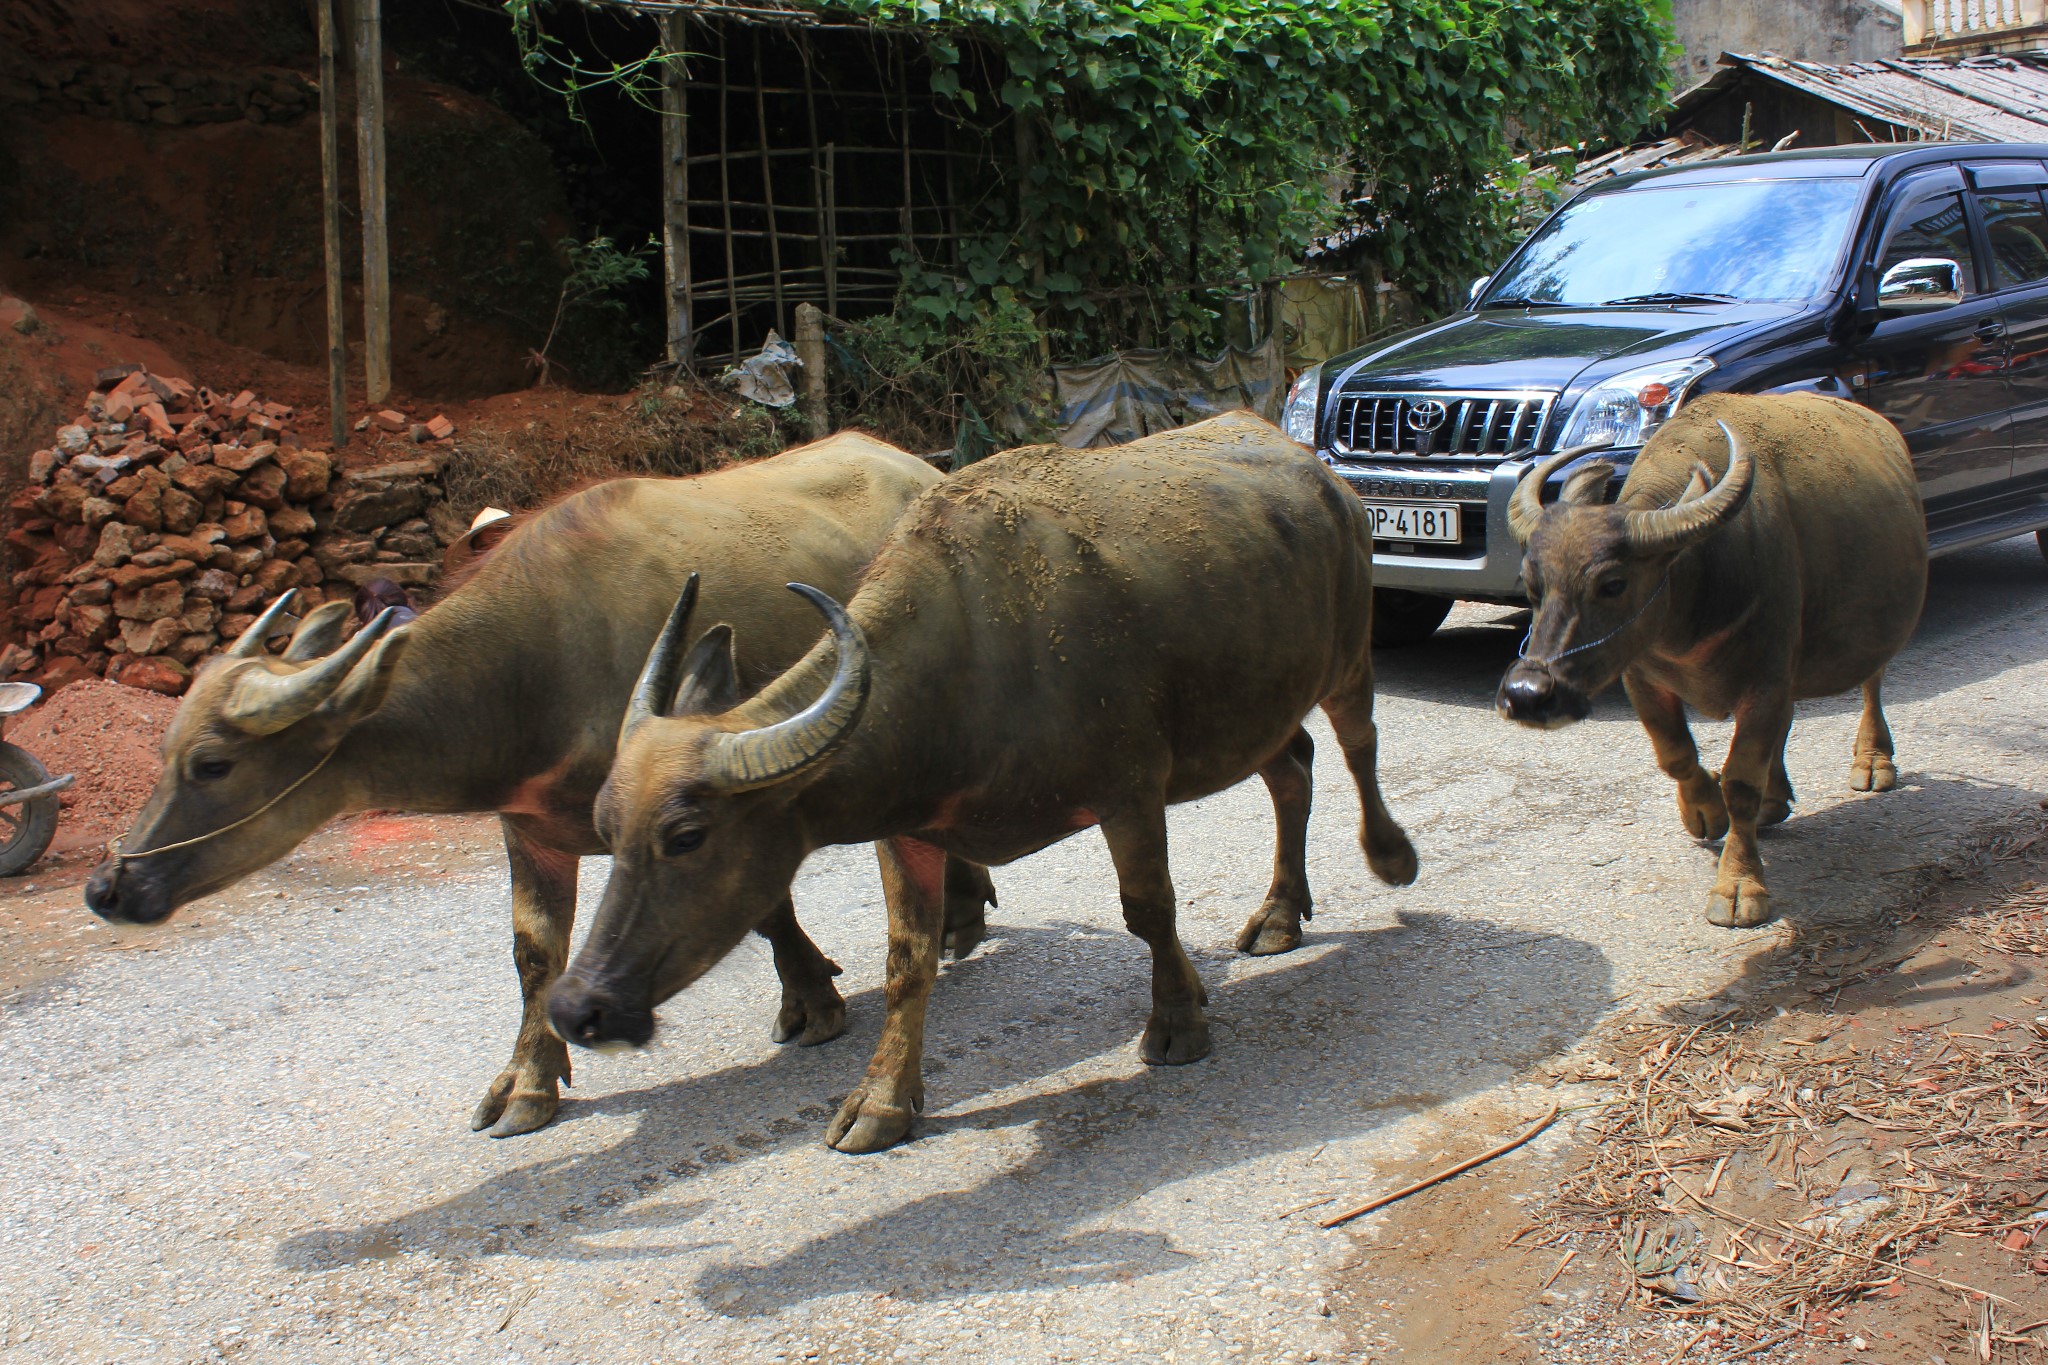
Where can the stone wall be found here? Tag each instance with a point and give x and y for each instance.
(157, 525)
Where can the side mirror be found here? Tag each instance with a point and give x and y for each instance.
(1924, 284)
(1478, 288)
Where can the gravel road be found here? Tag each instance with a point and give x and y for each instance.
(244, 1136)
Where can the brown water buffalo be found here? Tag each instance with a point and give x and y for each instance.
(1763, 549)
(1052, 640)
(506, 697)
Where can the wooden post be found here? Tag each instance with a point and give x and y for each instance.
(768, 184)
(832, 228)
(330, 195)
(909, 198)
(810, 349)
(370, 171)
(675, 189)
(732, 296)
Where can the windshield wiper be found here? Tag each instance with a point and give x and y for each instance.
(1519, 301)
(1668, 297)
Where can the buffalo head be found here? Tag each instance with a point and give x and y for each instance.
(697, 815)
(1597, 576)
(235, 792)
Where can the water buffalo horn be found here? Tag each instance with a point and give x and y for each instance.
(1525, 508)
(249, 644)
(1664, 530)
(755, 758)
(264, 702)
(662, 671)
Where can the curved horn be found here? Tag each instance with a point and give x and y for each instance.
(249, 644)
(264, 702)
(755, 758)
(1665, 530)
(1525, 508)
(663, 669)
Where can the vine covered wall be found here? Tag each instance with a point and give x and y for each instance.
(1149, 160)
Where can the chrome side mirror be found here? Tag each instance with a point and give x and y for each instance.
(1923, 284)
(1478, 288)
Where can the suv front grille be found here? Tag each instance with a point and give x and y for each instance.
(1423, 424)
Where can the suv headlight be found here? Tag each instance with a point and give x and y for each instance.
(1298, 418)
(1628, 407)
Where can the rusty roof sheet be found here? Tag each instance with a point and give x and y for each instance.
(2002, 98)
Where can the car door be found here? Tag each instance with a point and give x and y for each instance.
(2015, 219)
(1940, 376)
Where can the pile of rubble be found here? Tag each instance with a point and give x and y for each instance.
(157, 526)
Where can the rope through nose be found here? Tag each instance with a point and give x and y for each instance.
(120, 856)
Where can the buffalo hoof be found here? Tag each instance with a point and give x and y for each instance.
(819, 1019)
(865, 1125)
(1775, 810)
(507, 1111)
(1743, 905)
(1175, 1036)
(1273, 928)
(1872, 773)
(1393, 859)
(1701, 808)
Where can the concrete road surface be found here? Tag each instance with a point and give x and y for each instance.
(244, 1136)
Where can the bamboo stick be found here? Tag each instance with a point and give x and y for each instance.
(768, 186)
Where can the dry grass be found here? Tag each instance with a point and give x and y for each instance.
(521, 457)
(1763, 1168)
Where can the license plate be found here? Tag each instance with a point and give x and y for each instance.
(1437, 521)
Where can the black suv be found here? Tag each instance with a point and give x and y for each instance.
(1912, 280)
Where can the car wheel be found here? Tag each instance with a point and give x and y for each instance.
(1402, 618)
(2041, 539)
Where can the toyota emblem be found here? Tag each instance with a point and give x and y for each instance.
(1427, 415)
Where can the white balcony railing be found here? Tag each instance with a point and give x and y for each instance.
(1927, 22)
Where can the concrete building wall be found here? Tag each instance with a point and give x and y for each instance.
(1806, 30)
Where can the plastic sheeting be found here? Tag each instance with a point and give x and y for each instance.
(1135, 393)
(765, 377)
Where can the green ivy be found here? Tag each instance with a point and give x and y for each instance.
(1184, 150)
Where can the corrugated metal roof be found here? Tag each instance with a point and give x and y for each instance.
(2000, 98)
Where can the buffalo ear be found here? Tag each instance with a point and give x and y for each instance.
(710, 684)
(1586, 486)
(1702, 479)
(320, 633)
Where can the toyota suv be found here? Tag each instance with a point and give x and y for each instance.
(1913, 280)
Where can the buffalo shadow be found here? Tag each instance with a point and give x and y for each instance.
(1351, 1032)
(1462, 663)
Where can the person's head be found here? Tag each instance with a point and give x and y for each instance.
(377, 594)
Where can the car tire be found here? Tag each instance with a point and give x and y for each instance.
(1400, 617)
(2041, 539)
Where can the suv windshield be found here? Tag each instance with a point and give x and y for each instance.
(1741, 240)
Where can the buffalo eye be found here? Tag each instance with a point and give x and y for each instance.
(678, 842)
(211, 769)
(1612, 587)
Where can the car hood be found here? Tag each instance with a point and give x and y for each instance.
(1544, 348)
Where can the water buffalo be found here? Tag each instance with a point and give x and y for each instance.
(506, 697)
(1763, 549)
(1052, 640)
